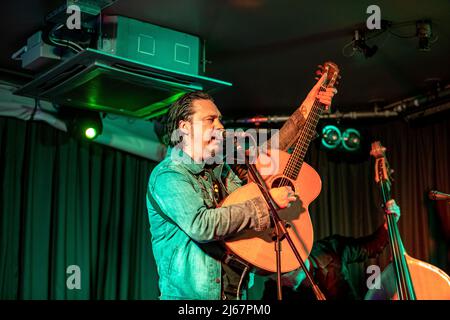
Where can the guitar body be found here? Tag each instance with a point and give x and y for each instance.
(430, 282)
(258, 248)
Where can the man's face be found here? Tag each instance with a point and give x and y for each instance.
(203, 130)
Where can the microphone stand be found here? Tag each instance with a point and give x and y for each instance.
(280, 233)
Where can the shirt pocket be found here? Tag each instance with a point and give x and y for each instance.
(205, 189)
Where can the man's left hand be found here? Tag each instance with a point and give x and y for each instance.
(326, 96)
(392, 208)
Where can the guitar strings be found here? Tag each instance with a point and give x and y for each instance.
(305, 132)
(296, 161)
(308, 130)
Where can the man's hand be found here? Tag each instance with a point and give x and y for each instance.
(324, 97)
(392, 208)
(283, 196)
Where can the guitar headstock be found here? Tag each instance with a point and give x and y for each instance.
(382, 170)
(332, 72)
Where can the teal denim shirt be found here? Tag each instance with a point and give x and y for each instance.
(187, 227)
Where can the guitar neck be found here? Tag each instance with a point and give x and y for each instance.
(307, 134)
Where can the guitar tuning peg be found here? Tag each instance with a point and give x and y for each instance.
(391, 171)
(339, 77)
(316, 78)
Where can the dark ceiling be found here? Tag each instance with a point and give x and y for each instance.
(269, 49)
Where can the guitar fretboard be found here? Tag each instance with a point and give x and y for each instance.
(308, 132)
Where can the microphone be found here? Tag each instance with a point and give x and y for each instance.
(436, 195)
(233, 134)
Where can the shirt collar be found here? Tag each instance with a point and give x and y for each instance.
(177, 155)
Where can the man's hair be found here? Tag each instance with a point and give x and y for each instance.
(181, 110)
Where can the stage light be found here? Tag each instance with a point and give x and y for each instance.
(351, 139)
(359, 44)
(82, 124)
(331, 137)
(89, 126)
(90, 133)
(423, 32)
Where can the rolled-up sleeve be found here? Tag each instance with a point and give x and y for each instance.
(363, 248)
(177, 198)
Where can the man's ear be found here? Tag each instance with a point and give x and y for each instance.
(184, 126)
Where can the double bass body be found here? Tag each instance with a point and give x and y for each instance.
(429, 282)
(406, 278)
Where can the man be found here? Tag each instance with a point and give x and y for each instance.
(184, 192)
(330, 258)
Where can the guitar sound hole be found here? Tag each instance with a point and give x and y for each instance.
(282, 182)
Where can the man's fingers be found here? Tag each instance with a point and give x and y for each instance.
(290, 194)
(332, 90)
(329, 93)
(325, 100)
(318, 84)
(390, 202)
(321, 80)
(326, 97)
(393, 208)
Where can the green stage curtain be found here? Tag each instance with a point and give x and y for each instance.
(66, 202)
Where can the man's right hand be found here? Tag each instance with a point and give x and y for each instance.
(283, 196)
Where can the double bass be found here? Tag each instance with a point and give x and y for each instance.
(405, 278)
(256, 248)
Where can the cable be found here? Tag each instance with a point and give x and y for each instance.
(436, 38)
(18, 54)
(377, 34)
(66, 43)
(36, 103)
(401, 36)
(61, 42)
(346, 46)
(238, 292)
(388, 28)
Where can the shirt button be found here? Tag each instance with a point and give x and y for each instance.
(217, 280)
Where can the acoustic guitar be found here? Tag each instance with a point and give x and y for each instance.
(257, 248)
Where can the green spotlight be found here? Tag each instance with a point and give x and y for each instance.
(90, 133)
(331, 137)
(82, 124)
(351, 139)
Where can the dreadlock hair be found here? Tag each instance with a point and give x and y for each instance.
(181, 110)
